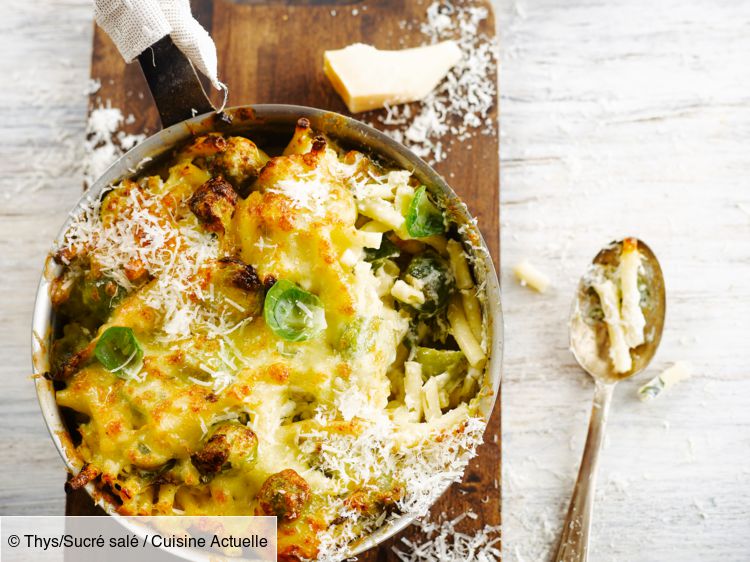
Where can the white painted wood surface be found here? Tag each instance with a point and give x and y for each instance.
(629, 118)
(617, 118)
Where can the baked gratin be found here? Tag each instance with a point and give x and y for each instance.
(299, 336)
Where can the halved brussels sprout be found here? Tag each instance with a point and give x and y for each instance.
(292, 313)
(437, 361)
(231, 445)
(423, 218)
(386, 251)
(432, 274)
(119, 352)
(284, 494)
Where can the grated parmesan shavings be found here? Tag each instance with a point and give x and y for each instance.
(105, 142)
(426, 469)
(308, 193)
(462, 104)
(446, 543)
(175, 257)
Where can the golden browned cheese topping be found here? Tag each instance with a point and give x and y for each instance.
(299, 335)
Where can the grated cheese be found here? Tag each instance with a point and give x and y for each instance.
(425, 467)
(105, 142)
(174, 256)
(199, 382)
(234, 305)
(446, 543)
(462, 104)
(261, 244)
(309, 193)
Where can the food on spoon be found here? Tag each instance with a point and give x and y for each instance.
(633, 320)
(367, 78)
(529, 276)
(620, 304)
(301, 335)
(666, 380)
(609, 299)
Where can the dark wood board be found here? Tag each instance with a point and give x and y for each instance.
(272, 53)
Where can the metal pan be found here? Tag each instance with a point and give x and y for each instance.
(185, 112)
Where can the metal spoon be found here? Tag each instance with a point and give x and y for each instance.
(589, 343)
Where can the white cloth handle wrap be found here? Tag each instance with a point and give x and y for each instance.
(135, 25)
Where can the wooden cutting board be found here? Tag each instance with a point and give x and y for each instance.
(272, 52)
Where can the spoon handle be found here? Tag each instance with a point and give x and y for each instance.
(574, 543)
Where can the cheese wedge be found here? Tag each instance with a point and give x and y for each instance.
(367, 78)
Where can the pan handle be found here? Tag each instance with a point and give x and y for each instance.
(175, 86)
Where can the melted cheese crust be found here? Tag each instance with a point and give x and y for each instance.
(210, 358)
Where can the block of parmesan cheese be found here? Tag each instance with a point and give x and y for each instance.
(367, 78)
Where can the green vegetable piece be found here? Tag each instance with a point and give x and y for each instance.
(231, 445)
(92, 301)
(119, 352)
(651, 389)
(292, 313)
(437, 361)
(356, 337)
(436, 278)
(100, 296)
(284, 494)
(386, 251)
(75, 338)
(423, 218)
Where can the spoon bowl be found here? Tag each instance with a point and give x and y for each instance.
(589, 342)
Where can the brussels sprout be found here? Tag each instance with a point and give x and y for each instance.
(214, 203)
(148, 463)
(119, 352)
(240, 163)
(433, 274)
(68, 352)
(231, 445)
(92, 299)
(373, 501)
(423, 218)
(437, 361)
(238, 291)
(292, 313)
(284, 494)
(100, 296)
(386, 251)
(356, 337)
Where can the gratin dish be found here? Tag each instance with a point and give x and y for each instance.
(266, 123)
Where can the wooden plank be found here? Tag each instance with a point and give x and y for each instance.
(272, 53)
